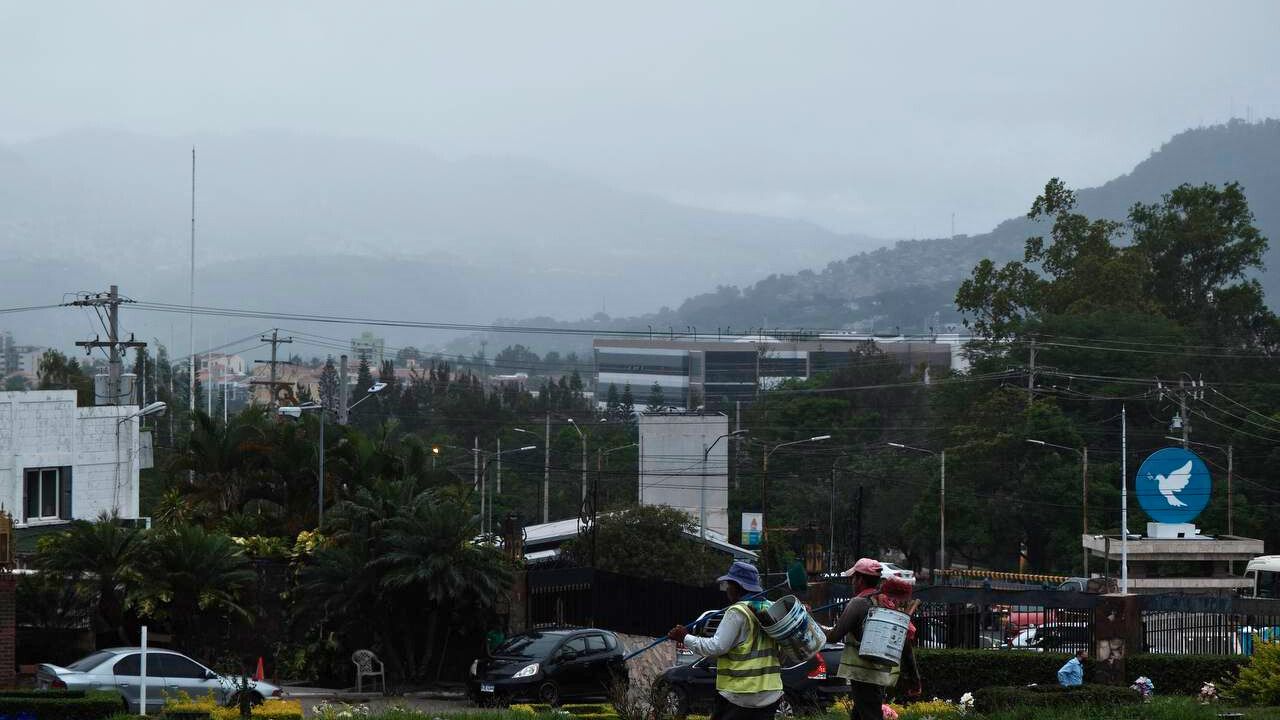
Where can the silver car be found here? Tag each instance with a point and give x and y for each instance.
(168, 673)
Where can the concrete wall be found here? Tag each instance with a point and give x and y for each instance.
(44, 428)
(671, 468)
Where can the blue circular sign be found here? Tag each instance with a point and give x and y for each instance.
(1173, 485)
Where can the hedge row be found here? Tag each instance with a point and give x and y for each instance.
(54, 705)
(952, 673)
(995, 699)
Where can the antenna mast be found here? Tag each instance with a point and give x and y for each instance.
(191, 302)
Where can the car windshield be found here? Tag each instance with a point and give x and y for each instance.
(89, 662)
(529, 645)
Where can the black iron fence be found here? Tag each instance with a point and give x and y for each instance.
(979, 618)
(583, 597)
(1227, 625)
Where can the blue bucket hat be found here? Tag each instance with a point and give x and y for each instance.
(745, 575)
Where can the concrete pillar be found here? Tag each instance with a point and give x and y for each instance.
(1117, 628)
(8, 629)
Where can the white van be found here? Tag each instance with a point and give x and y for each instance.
(1263, 573)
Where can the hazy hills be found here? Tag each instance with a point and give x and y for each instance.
(904, 285)
(350, 226)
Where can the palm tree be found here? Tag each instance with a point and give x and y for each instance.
(104, 553)
(224, 458)
(193, 577)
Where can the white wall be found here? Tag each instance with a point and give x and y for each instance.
(44, 428)
(671, 470)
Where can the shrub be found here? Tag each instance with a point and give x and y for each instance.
(1182, 674)
(1258, 682)
(209, 708)
(994, 699)
(66, 705)
(951, 673)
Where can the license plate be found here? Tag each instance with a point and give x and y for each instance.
(486, 688)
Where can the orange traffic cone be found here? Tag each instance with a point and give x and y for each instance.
(259, 675)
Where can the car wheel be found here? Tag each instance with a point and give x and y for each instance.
(674, 701)
(549, 693)
(785, 709)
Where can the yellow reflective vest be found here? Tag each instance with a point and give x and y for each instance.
(752, 665)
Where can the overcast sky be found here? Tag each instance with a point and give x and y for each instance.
(879, 118)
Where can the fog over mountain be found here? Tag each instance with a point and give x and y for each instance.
(287, 222)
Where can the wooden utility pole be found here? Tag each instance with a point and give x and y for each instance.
(110, 300)
(273, 384)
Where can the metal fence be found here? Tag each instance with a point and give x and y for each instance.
(1200, 624)
(994, 619)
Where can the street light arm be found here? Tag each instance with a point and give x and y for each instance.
(575, 427)
(900, 446)
(1042, 443)
(735, 433)
(816, 438)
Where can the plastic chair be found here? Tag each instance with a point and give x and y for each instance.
(368, 665)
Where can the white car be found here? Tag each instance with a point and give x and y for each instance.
(888, 569)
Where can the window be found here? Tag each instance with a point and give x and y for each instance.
(47, 494)
(577, 646)
(595, 643)
(1268, 584)
(611, 642)
(176, 666)
(130, 665)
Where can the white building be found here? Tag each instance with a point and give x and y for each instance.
(59, 462)
(672, 470)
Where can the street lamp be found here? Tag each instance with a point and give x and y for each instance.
(764, 488)
(584, 459)
(485, 457)
(155, 408)
(702, 492)
(942, 500)
(295, 411)
(1083, 452)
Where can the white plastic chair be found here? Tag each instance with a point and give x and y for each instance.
(368, 665)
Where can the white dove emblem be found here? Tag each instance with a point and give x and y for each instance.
(1174, 483)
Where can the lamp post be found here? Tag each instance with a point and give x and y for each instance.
(484, 474)
(583, 436)
(1083, 452)
(702, 491)
(764, 489)
(942, 499)
(155, 408)
(295, 411)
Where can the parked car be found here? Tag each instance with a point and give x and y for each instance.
(888, 569)
(549, 666)
(1054, 637)
(690, 686)
(119, 670)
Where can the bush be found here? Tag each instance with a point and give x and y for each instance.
(951, 673)
(60, 705)
(207, 707)
(1182, 674)
(1258, 682)
(994, 699)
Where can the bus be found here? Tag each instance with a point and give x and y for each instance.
(1263, 574)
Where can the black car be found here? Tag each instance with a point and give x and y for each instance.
(548, 665)
(808, 687)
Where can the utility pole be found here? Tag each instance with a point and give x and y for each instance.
(1084, 512)
(342, 390)
(273, 384)
(1124, 501)
(111, 300)
(1031, 375)
(1182, 413)
(546, 474)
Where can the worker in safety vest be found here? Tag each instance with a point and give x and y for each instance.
(868, 679)
(748, 675)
